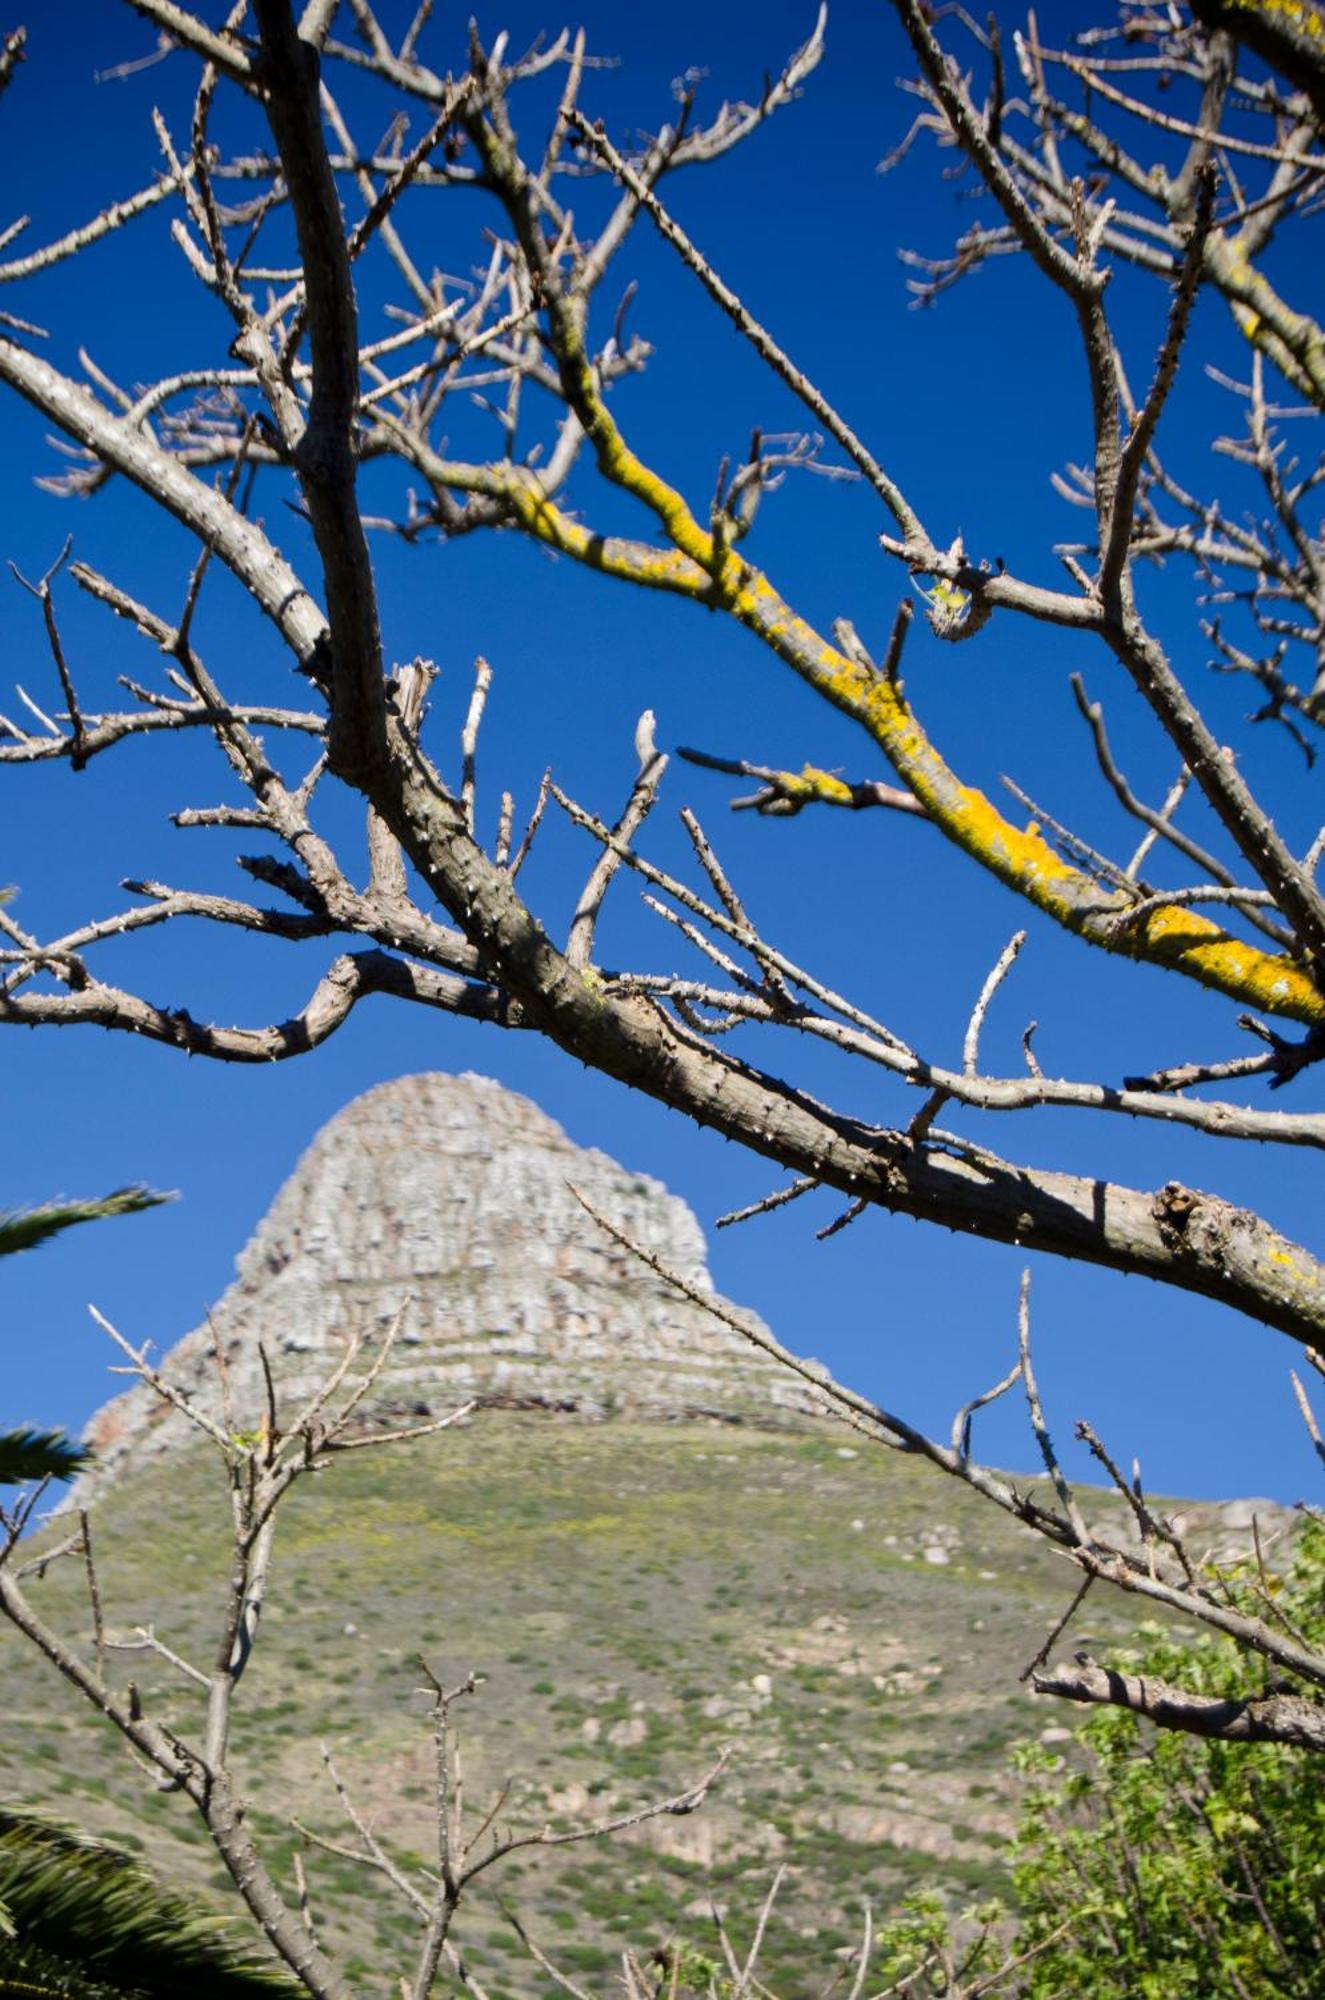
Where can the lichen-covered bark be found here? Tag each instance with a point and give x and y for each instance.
(1289, 34)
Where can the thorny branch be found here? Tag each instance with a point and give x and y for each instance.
(530, 342)
(1155, 1565)
(260, 1466)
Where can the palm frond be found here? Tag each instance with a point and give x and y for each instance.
(29, 1454)
(89, 1920)
(24, 1229)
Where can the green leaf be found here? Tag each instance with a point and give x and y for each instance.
(26, 1228)
(27, 1454)
(1227, 1821)
(90, 1920)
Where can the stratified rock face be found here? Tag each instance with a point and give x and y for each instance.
(445, 1199)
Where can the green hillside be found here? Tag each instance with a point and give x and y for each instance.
(636, 1596)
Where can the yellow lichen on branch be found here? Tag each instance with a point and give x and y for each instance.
(810, 785)
(700, 565)
(1292, 340)
(1171, 936)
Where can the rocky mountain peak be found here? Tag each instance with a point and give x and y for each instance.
(448, 1196)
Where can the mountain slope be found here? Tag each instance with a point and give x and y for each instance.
(636, 1595)
(645, 1541)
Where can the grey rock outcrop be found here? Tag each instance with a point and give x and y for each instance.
(446, 1199)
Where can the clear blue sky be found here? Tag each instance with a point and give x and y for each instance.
(972, 405)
